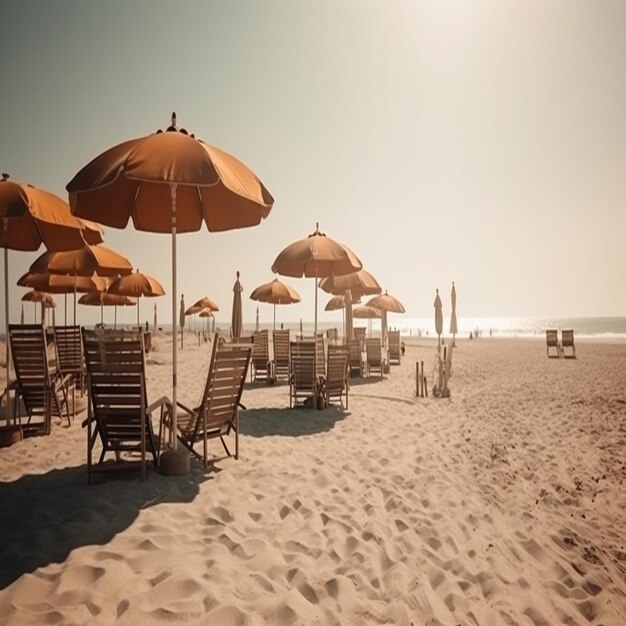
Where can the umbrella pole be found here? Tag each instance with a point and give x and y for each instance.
(74, 299)
(65, 306)
(137, 313)
(315, 343)
(101, 313)
(115, 317)
(6, 323)
(274, 316)
(173, 438)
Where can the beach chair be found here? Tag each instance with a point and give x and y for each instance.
(336, 384)
(303, 382)
(217, 413)
(394, 346)
(359, 333)
(45, 393)
(69, 353)
(332, 335)
(280, 339)
(119, 415)
(374, 355)
(261, 366)
(552, 341)
(355, 357)
(567, 343)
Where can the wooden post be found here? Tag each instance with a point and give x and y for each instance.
(417, 378)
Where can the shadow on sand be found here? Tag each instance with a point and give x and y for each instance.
(289, 422)
(44, 517)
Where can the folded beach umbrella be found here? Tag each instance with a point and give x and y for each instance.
(236, 323)
(438, 319)
(385, 303)
(453, 324)
(316, 256)
(30, 217)
(275, 292)
(136, 285)
(169, 182)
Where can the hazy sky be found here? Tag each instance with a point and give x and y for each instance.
(482, 142)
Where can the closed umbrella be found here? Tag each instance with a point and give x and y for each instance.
(438, 320)
(137, 285)
(275, 292)
(316, 256)
(453, 325)
(28, 218)
(236, 323)
(169, 182)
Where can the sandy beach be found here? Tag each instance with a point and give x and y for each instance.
(504, 504)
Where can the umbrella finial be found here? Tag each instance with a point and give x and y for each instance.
(173, 118)
(5, 176)
(237, 274)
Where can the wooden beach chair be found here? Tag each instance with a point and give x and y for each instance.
(355, 357)
(280, 340)
(567, 344)
(336, 385)
(359, 333)
(217, 413)
(552, 342)
(119, 415)
(374, 360)
(45, 394)
(394, 346)
(69, 352)
(261, 366)
(303, 382)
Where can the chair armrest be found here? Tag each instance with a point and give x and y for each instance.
(186, 408)
(163, 400)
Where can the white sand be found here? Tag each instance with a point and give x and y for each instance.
(503, 505)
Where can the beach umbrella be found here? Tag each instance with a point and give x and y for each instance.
(316, 256)
(103, 298)
(385, 303)
(365, 312)
(206, 303)
(438, 319)
(453, 324)
(335, 303)
(360, 284)
(169, 182)
(63, 284)
(206, 314)
(84, 261)
(28, 218)
(137, 285)
(39, 297)
(275, 292)
(236, 323)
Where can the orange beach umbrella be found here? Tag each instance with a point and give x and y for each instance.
(275, 292)
(136, 285)
(169, 182)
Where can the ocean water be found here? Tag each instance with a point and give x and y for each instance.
(607, 328)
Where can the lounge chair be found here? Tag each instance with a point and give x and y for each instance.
(394, 346)
(280, 339)
(261, 366)
(69, 353)
(374, 360)
(355, 357)
(217, 413)
(552, 341)
(303, 383)
(567, 342)
(118, 411)
(336, 384)
(44, 393)
(359, 333)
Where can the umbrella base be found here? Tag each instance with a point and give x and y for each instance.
(175, 462)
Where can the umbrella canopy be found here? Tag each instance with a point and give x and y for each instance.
(453, 323)
(168, 182)
(236, 323)
(83, 261)
(385, 303)
(103, 298)
(316, 256)
(366, 312)
(39, 296)
(136, 285)
(438, 319)
(205, 313)
(360, 283)
(275, 292)
(192, 310)
(30, 217)
(335, 303)
(205, 303)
